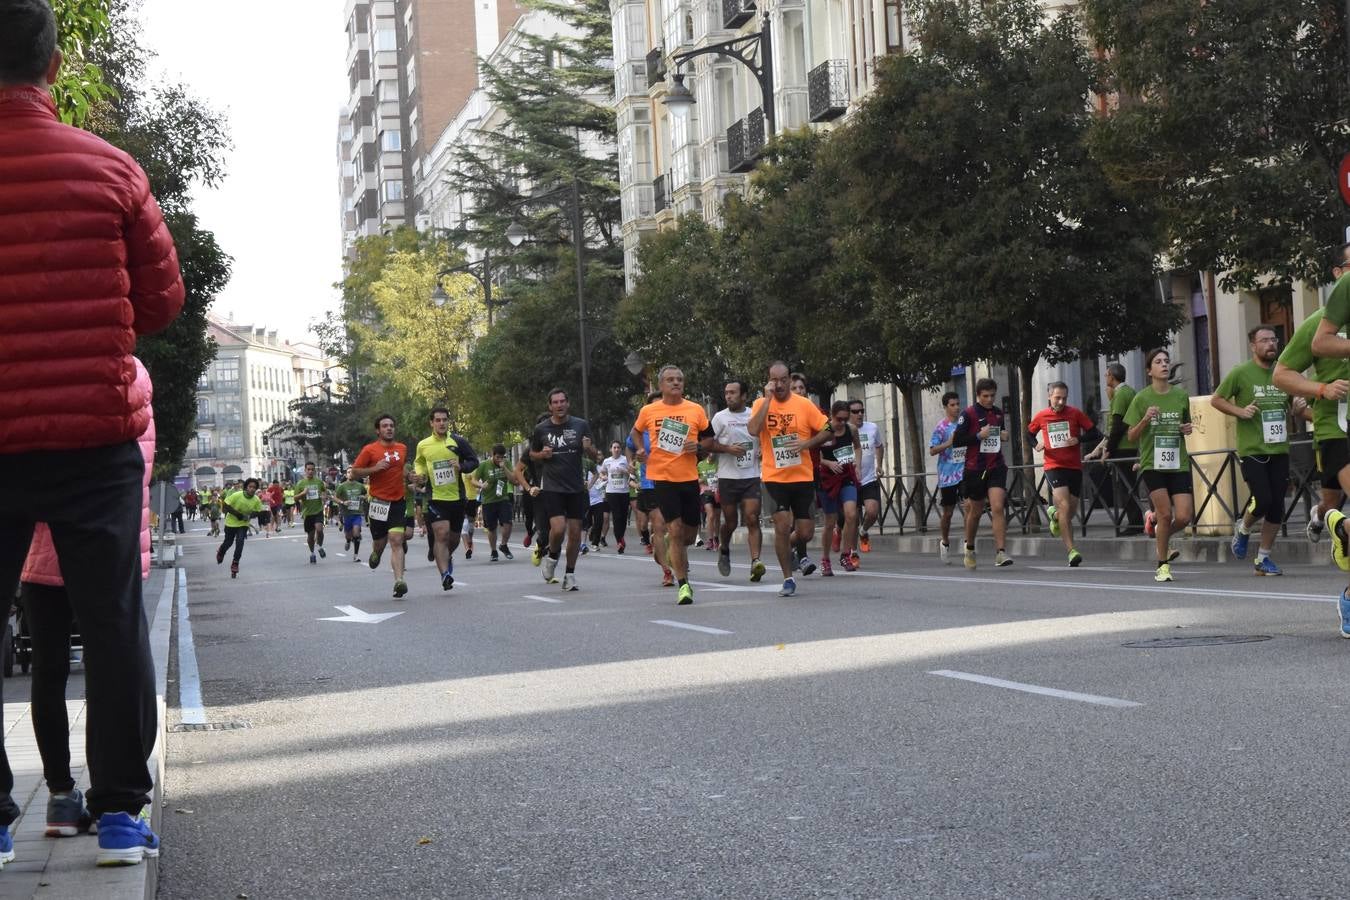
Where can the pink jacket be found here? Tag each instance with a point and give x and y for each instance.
(42, 567)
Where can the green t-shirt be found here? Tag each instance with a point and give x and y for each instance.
(351, 495)
(310, 491)
(1328, 415)
(243, 503)
(288, 495)
(1267, 432)
(1338, 304)
(496, 483)
(1162, 446)
(1120, 405)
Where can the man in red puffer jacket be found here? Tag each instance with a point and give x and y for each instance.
(86, 265)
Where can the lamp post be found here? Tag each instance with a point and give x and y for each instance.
(483, 277)
(678, 99)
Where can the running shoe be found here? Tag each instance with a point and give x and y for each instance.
(686, 595)
(806, 566)
(400, 589)
(313, 559)
(527, 542)
(668, 577)
(1265, 566)
(506, 550)
(790, 587)
(67, 815)
(431, 554)
(468, 552)
(620, 546)
(1173, 555)
(846, 561)
(1314, 531)
(550, 569)
(857, 560)
(356, 559)
(1053, 514)
(220, 556)
(757, 570)
(1343, 607)
(865, 543)
(647, 545)
(535, 556)
(698, 542)
(234, 569)
(1150, 522)
(1163, 573)
(1340, 553)
(375, 558)
(124, 840)
(944, 553)
(347, 545)
(6, 846)
(322, 555)
(834, 542)
(447, 580)
(1239, 542)
(825, 570)
(494, 557)
(1075, 558)
(969, 558)
(569, 581)
(585, 548)
(1002, 559)
(724, 564)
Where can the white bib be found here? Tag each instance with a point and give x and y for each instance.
(442, 472)
(672, 436)
(1057, 434)
(379, 510)
(618, 481)
(1167, 453)
(1273, 430)
(958, 455)
(311, 493)
(785, 452)
(993, 443)
(844, 455)
(354, 504)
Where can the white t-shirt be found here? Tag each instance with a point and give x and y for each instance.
(869, 435)
(730, 428)
(614, 475)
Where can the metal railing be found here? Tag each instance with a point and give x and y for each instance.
(827, 90)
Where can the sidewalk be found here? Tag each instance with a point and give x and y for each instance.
(64, 867)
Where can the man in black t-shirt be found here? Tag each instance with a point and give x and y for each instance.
(556, 447)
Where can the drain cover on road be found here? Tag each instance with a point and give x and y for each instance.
(210, 726)
(1199, 640)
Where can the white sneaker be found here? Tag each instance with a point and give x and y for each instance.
(550, 566)
(569, 581)
(944, 553)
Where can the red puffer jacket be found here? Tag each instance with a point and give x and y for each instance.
(86, 265)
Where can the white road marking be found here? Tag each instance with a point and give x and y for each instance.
(189, 679)
(1036, 689)
(352, 614)
(542, 599)
(703, 628)
(727, 587)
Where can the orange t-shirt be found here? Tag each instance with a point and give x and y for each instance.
(668, 425)
(794, 416)
(386, 485)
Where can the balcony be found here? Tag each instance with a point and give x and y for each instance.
(206, 419)
(754, 133)
(736, 13)
(827, 90)
(205, 384)
(660, 192)
(737, 160)
(656, 67)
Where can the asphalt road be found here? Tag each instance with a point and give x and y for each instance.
(508, 740)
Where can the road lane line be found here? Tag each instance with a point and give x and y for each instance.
(1036, 689)
(703, 628)
(542, 599)
(189, 679)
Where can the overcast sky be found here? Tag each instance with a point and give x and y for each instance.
(278, 71)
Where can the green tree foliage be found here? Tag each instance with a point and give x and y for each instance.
(1232, 118)
(84, 29)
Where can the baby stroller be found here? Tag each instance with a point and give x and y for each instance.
(17, 643)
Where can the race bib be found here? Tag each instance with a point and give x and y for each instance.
(1057, 434)
(379, 510)
(865, 440)
(672, 436)
(354, 504)
(993, 443)
(1167, 453)
(747, 459)
(442, 472)
(311, 493)
(785, 452)
(712, 482)
(958, 455)
(844, 455)
(618, 482)
(1273, 429)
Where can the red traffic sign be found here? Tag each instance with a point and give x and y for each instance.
(1343, 178)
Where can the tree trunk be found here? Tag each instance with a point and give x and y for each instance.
(1026, 370)
(913, 405)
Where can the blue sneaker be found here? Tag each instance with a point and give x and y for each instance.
(1266, 567)
(790, 587)
(448, 577)
(1343, 606)
(124, 840)
(7, 843)
(1239, 545)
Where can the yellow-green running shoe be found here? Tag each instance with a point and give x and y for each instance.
(1340, 552)
(757, 570)
(1053, 514)
(686, 595)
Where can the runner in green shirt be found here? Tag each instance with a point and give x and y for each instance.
(1159, 418)
(495, 482)
(351, 495)
(437, 466)
(311, 493)
(288, 504)
(1121, 450)
(239, 507)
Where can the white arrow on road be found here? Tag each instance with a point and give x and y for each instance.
(352, 614)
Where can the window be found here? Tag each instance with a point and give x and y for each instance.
(203, 408)
(386, 39)
(203, 444)
(227, 372)
(391, 141)
(231, 443)
(228, 411)
(412, 75)
(393, 190)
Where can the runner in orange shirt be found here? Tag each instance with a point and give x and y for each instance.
(788, 425)
(675, 427)
(382, 462)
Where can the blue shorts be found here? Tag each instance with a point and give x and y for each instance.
(350, 522)
(847, 494)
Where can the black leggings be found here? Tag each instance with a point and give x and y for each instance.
(618, 513)
(595, 517)
(47, 612)
(527, 512)
(234, 536)
(1268, 479)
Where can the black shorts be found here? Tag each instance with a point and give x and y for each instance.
(870, 492)
(710, 497)
(951, 494)
(313, 522)
(976, 484)
(646, 500)
(451, 511)
(497, 513)
(471, 509)
(1172, 482)
(797, 497)
(1069, 478)
(678, 500)
(732, 491)
(570, 505)
(397, 520)
(1332, 456)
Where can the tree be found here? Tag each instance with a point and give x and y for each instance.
(1232, 118)
(83, 28)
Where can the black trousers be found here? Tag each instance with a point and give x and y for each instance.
(234, 536)
(91, 501)
(618, 513)
(50, 621)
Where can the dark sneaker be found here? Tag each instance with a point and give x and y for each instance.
(375, 558)
(125, 841)
(67, 815)
(400, 589)
(322, 555)
(724, 564)
(447, 580)
(506, 551)
(220, 556)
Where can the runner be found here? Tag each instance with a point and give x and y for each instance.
(710, 508)
(312, 493)
(1262, 413)
(438, 463)
(674, 428)
(190, 502)
(1121, 451)
(788, 425)
(614, 473)
(951, 469)
(288, 503)
(835, 462)
(558, 443)
(1064, 428)
(351, 494)
(980, 430)
(495, 483)
(870, 465)
(239, 507)
(275, 495)
(212, 511)
(654, 539)
(738, 483)
(596, 514)
(470, 493)
(1160, 418)
(382, 462)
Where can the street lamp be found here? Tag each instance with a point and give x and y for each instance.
(481, 272)
(678, 99)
